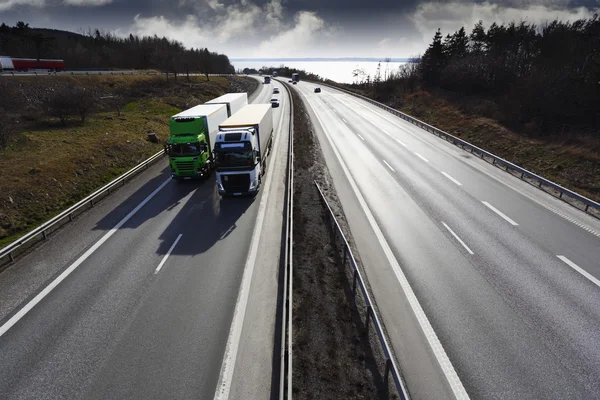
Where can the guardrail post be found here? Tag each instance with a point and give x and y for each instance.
(522, 175)
(44, 235)
(369, 309)
(388, 367)
(493, 161)
(92, 202)
(10, 257)
(560, 196)
(70, 217)
(586, 207)
(540, 185)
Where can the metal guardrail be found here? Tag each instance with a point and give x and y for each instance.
(390, 366)
(42, 230)
(69, 73)
(487, 156)
(285, 373)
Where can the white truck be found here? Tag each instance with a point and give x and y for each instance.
(234, 101)
(241, 148)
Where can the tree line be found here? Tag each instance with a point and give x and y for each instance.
(283, 70)
(545, 79)
(105, 50)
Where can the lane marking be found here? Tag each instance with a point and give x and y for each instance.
(33, 302)
(432, 339)
(401, 142)
(500, 213)
(421, 157)
(459, 239)
(237, 323)
(451, 178)
(167, 255)
(580, 270)
(344, 120)
(360, 136)
(389, 166)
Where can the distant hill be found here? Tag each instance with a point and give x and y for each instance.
(98, 50)
(326, 59)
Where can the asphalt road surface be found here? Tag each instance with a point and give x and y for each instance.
(488, 287)
(155, 275)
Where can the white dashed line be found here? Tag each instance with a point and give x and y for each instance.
(389, 166)
(457, 238)
(164, 260)
(344, 120)
(421, 157)
(401, 142)
(580, 270)
(494, 209)
(451, 178)
(360, 136)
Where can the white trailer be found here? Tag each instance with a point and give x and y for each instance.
(241, 149)
(234, 101)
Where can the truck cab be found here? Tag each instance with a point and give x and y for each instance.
(238, 161)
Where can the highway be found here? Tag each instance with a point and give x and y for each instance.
(487, 286)
(150, 294)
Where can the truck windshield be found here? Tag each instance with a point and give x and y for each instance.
(234, 155)
(191, 149)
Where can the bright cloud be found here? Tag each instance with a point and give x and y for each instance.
(87, 3)
(8, 4)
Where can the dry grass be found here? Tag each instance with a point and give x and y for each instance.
(48, 166)
(571, 161)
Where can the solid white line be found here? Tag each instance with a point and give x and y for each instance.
(436, 346)
(580, 270)
(457, 238)
(389, 166)
(167, 255)
(235, 332)
(360, 136)
(494, 209)
(23, 311)
(451, 178)
(421, 157)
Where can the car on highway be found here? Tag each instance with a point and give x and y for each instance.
(290, 80)
(275, 90)
(317, 90)
(274, 102)
(293, 83)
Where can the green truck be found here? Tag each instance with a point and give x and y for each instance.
(191, 142)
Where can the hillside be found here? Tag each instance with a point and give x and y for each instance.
(98, 50)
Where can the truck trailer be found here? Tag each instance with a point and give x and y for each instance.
(267, 80)
(295, 77)
(241, 149)
(234, 102)
(191, 140)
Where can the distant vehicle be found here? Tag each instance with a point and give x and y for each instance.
(275, 74)
(317, 90)
(294, 82)
(241, 149)
(276, 90)
(192, 138)
(290, 80)
(295, 77)
(27, 64)
(267, 80)
(274, 103)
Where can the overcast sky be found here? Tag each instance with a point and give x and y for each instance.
(290, 28)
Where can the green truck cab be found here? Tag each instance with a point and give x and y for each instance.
(191, 140)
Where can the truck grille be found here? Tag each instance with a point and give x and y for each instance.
(185, 167)
(236, 183)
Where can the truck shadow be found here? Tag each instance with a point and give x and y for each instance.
(204, 220)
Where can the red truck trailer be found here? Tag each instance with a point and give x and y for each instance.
(26, 64)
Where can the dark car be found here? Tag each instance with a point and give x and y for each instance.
(274, 103)
(293, 83)
(290, 80)
(317, 90)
